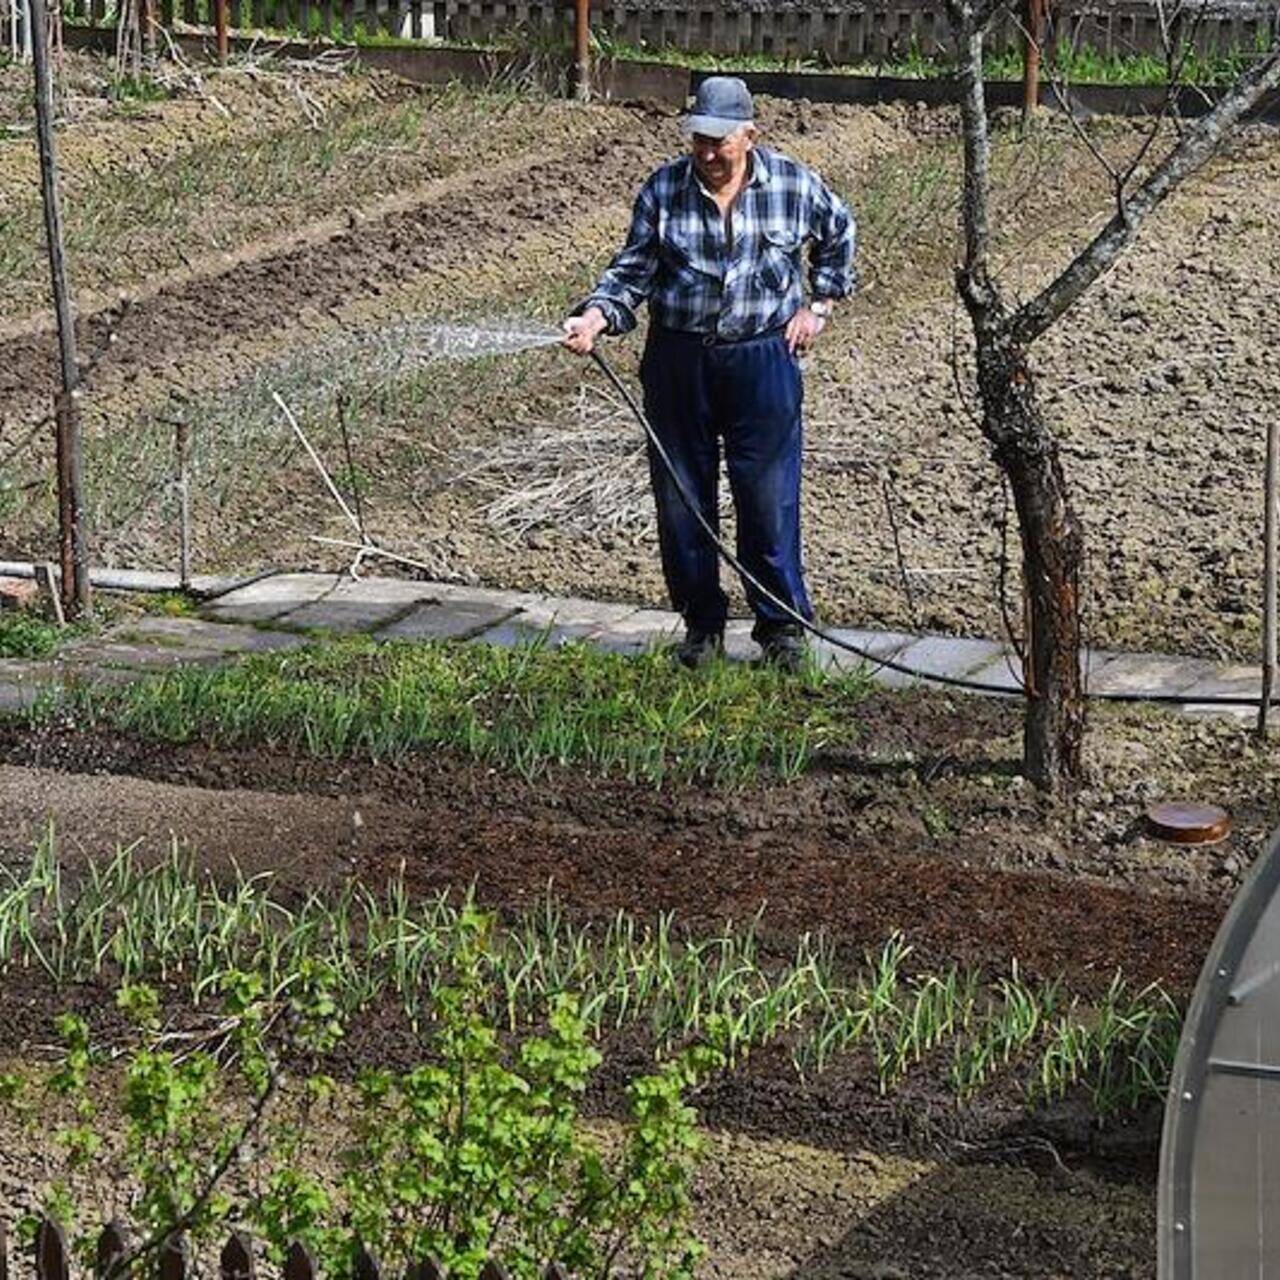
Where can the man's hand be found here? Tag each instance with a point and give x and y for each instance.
(581, 332)
(802, 329)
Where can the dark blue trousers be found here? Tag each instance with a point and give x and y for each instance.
(748, 395)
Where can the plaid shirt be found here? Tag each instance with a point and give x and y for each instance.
(697, 280)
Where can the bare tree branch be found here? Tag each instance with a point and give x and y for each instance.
(973, 15)
(1196, 146)
(976, 193)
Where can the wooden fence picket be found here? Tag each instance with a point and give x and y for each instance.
(235, 1262)
(51, 1252)
(364, 1266)
(298, 1263)
(428, 1269)
(175, 1259)
(113, 1244)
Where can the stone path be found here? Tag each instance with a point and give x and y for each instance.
(279, 611)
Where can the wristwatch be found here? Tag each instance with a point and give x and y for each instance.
(821, 308)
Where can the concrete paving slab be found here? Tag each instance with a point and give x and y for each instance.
(586, 616)
(328, 602)
(21, 682)
(271, 597)
(198, 633)
(96, 654)
(738, 644)
(16, 698)
(515, 632)
(880, 644)
(463, 594)
(947, 656)
(643, 627)
(347, 616)
(1146, 672)
(449, 620)
(1005, 672)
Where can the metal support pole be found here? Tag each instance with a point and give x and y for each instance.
(582, 49)
(220, 29)
(182, 448)
(1269, 538)
(73, 541)
(1032, 43)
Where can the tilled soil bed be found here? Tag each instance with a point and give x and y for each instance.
(922, 829)
(294, 211)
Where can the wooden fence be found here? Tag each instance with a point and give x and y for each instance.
(836, 31)
(236, 1261)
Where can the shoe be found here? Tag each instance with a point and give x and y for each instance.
(784, 648)
(698, 648)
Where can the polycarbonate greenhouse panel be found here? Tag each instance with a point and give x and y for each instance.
(1219, 1207)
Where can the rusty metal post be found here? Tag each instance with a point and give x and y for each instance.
(582, 49)
(1271, 487)
(220, 29)
(1033, 17)
(72, 534)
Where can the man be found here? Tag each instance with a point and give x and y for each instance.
(715, 246)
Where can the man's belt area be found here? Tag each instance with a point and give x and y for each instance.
(715, 339)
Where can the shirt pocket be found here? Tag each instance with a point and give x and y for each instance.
(779, 258)
(683, 256)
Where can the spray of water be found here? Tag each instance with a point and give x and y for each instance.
(309, 379)
(428, 341)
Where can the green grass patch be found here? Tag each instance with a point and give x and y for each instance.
(525, 708)
(27, 635)
(1077, 65)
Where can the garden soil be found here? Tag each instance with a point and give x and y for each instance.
(1159, 384)
(814, 1178)
(923, 828)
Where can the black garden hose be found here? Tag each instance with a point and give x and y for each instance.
(838, 642)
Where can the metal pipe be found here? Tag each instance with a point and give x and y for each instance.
(582, 49)
(1032, 42)
(220, 30)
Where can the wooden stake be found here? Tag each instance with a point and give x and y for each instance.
(582, 49)
(75, 558)
(47, 581)
(1269, 537)
(182, 448)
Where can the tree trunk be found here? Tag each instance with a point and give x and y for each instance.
(1052, 552)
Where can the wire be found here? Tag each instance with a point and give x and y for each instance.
(838, 642)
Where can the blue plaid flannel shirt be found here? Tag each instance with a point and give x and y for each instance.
(678, 258)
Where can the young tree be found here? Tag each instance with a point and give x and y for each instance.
(1012, 421)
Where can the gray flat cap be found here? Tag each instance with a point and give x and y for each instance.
(721, 106)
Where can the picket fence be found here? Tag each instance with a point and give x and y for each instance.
(838, 31)
(52, 1260)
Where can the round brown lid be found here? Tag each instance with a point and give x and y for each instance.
(1182, 823)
